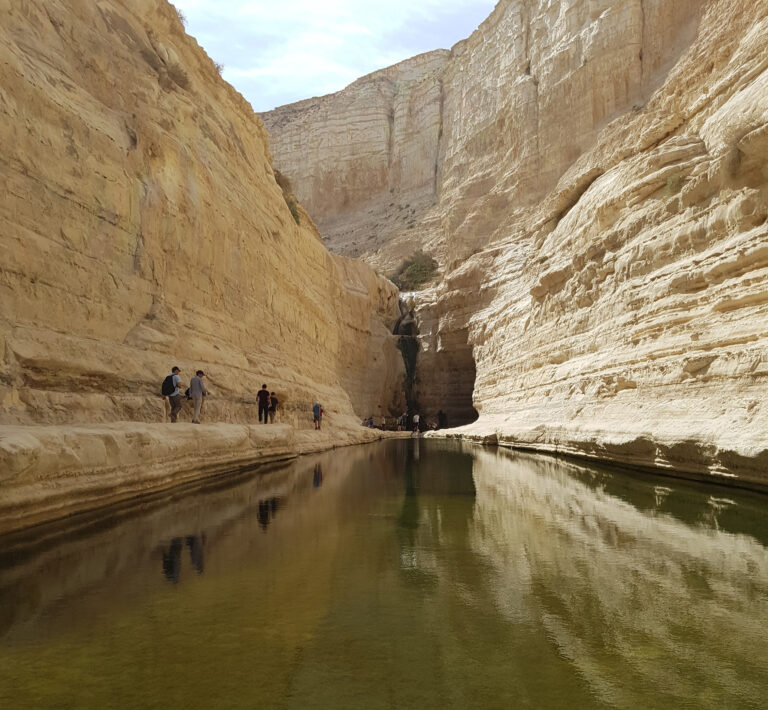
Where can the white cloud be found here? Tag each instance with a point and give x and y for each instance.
(279, 52)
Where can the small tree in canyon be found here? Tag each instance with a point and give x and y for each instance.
(416, 271)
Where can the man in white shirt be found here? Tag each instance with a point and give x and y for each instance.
(197, 392)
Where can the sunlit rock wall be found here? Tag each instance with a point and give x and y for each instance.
(141, 227)
(601, 225)
(625, 315)
(365, 161)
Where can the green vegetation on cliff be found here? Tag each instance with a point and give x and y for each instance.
(415, 271)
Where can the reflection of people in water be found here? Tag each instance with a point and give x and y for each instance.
(317, 477)
(195, 545)
(267, 510)
(172, 556)
(172, 560)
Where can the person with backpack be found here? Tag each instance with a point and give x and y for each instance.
(197, 393)
(273, 402)
(170, 389)
(263, 396)
(317, 415)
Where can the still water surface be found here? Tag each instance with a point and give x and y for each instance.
(410, 574)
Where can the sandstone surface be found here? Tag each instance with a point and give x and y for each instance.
(51, 472)
(600, 215)
(141, 226)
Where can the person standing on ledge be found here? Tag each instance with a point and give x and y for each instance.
(170, 389)
(317, 414)
(197, 392)
(264, 403)
(273, 402)
(416, 420)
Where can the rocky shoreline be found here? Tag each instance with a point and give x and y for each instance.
(721, 461)
(49, 473)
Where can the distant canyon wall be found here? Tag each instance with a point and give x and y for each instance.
(600, 215)
(436, 150)
(141, 226)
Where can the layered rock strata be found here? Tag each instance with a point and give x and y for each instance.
(141, 226)
(365, 161)
(51, 472)
(602, 198)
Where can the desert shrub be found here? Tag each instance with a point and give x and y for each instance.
(293, 206)
(219, 68)
(182, 17)
(416, 271)
(290, 199)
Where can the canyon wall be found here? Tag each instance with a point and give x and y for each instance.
(600, 214)
(141, 226)
(365, 161)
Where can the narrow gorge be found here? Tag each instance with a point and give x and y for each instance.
(593, 179)
(590, 175)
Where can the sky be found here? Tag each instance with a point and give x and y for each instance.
(276, 52)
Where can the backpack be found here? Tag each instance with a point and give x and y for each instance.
(168, 386)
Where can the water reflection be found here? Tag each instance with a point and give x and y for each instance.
(171, 555)
(317, 475)
(266, 513)
(411, 574)
(172, 560)
(639, 603)
(196, 545)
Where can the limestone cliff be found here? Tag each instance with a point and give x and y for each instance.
(365, 161)
(141, 226)
(600, 213)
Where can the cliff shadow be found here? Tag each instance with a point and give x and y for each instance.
(440, 380)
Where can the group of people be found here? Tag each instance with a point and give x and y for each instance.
(197, 392)
(267, 405)
(401, 422)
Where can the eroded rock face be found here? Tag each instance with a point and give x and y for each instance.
(365, 162)
(602, 197)
(141, 227)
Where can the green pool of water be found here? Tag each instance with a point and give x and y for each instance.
(410, 574)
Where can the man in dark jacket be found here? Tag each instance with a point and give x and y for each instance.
(264, 403)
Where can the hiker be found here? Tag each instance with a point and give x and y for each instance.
(273, 402)
(402, 421)
(416, 420)
(263, 396)
(317, 414)
(170, 389)
(197, 393)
